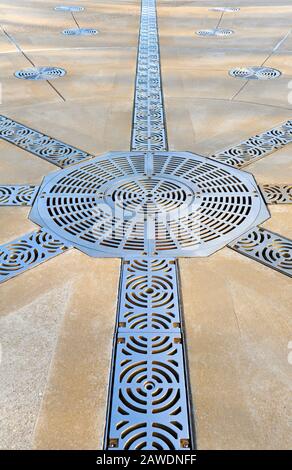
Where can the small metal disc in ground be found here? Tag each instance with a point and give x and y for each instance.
(255, 73)
(224, 9)
(69, 8)
(215, 32)
(40, 73)
(80, 32)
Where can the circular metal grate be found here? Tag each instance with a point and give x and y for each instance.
(215, 32)
(80, 32)
(225, 9)
(255, 73)
(69, 8)
(111, 205)
(40, 73)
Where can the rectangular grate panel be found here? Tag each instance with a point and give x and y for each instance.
(267, 247)
(148, 403)
(27, 252)
(257, 146)
(17, 195)
(41, 145)
(277, 193)
(148, 132)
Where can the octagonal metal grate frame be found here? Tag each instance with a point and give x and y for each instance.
(163, 203)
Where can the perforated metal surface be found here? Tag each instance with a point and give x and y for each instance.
(277, 193)
(170, 203)
(257, 146)
(28, 251)
(80, 32)
(149, 406)
(255, 73)
(225, 9)
(267, 247)
(52, 150)
(220, 32)
(17, 195)
(40, 73)
(69, 8)
(148, 131)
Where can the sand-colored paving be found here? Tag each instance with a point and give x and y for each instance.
(57, 319)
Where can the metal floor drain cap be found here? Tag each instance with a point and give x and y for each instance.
(80, 32)
(255, 73)
(40, 73)
(69, 8)
(215, 32)
(225, 9)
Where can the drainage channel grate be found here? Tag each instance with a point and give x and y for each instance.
(148, 131)
(257, 146)
(28, 251)
(69, 8)
(215, 32)
(277, 193)
(41, 145)
(40, 73)
(255, 73)
(80, 32)
(267, 247)
(225, 9)
(169, 203)
(149, 408)
(17, 195)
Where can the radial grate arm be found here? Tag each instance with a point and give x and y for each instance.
(256, 147)
(267, 247)
(277, 193)
(41, 145)
(18, 194)
(148, 403)
(27, 252)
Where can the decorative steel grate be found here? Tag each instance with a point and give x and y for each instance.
(148, 132)
(257, 146)
(277, 193)
(17, 195)
(40, 73)
(172, 204)
(255, 73)
(220, 32)
(69, 8)
(225, 9)
(80, 32)
(28, 251)
(149, 405)
(52, 150)
(267, 247)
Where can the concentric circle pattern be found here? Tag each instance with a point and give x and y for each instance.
(40, 73)
(69, 8)
(159, 203)
(215, 32)
(225, 9)
(80, 32)
(255, 73)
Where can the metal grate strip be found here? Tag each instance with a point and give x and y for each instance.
(267, 247)
(148, 132)
(149, 406)
(257, 146)
(17, 195)
(41, 145)
(27, 252)
(277, 193)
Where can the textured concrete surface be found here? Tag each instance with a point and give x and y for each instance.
(57, 320)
